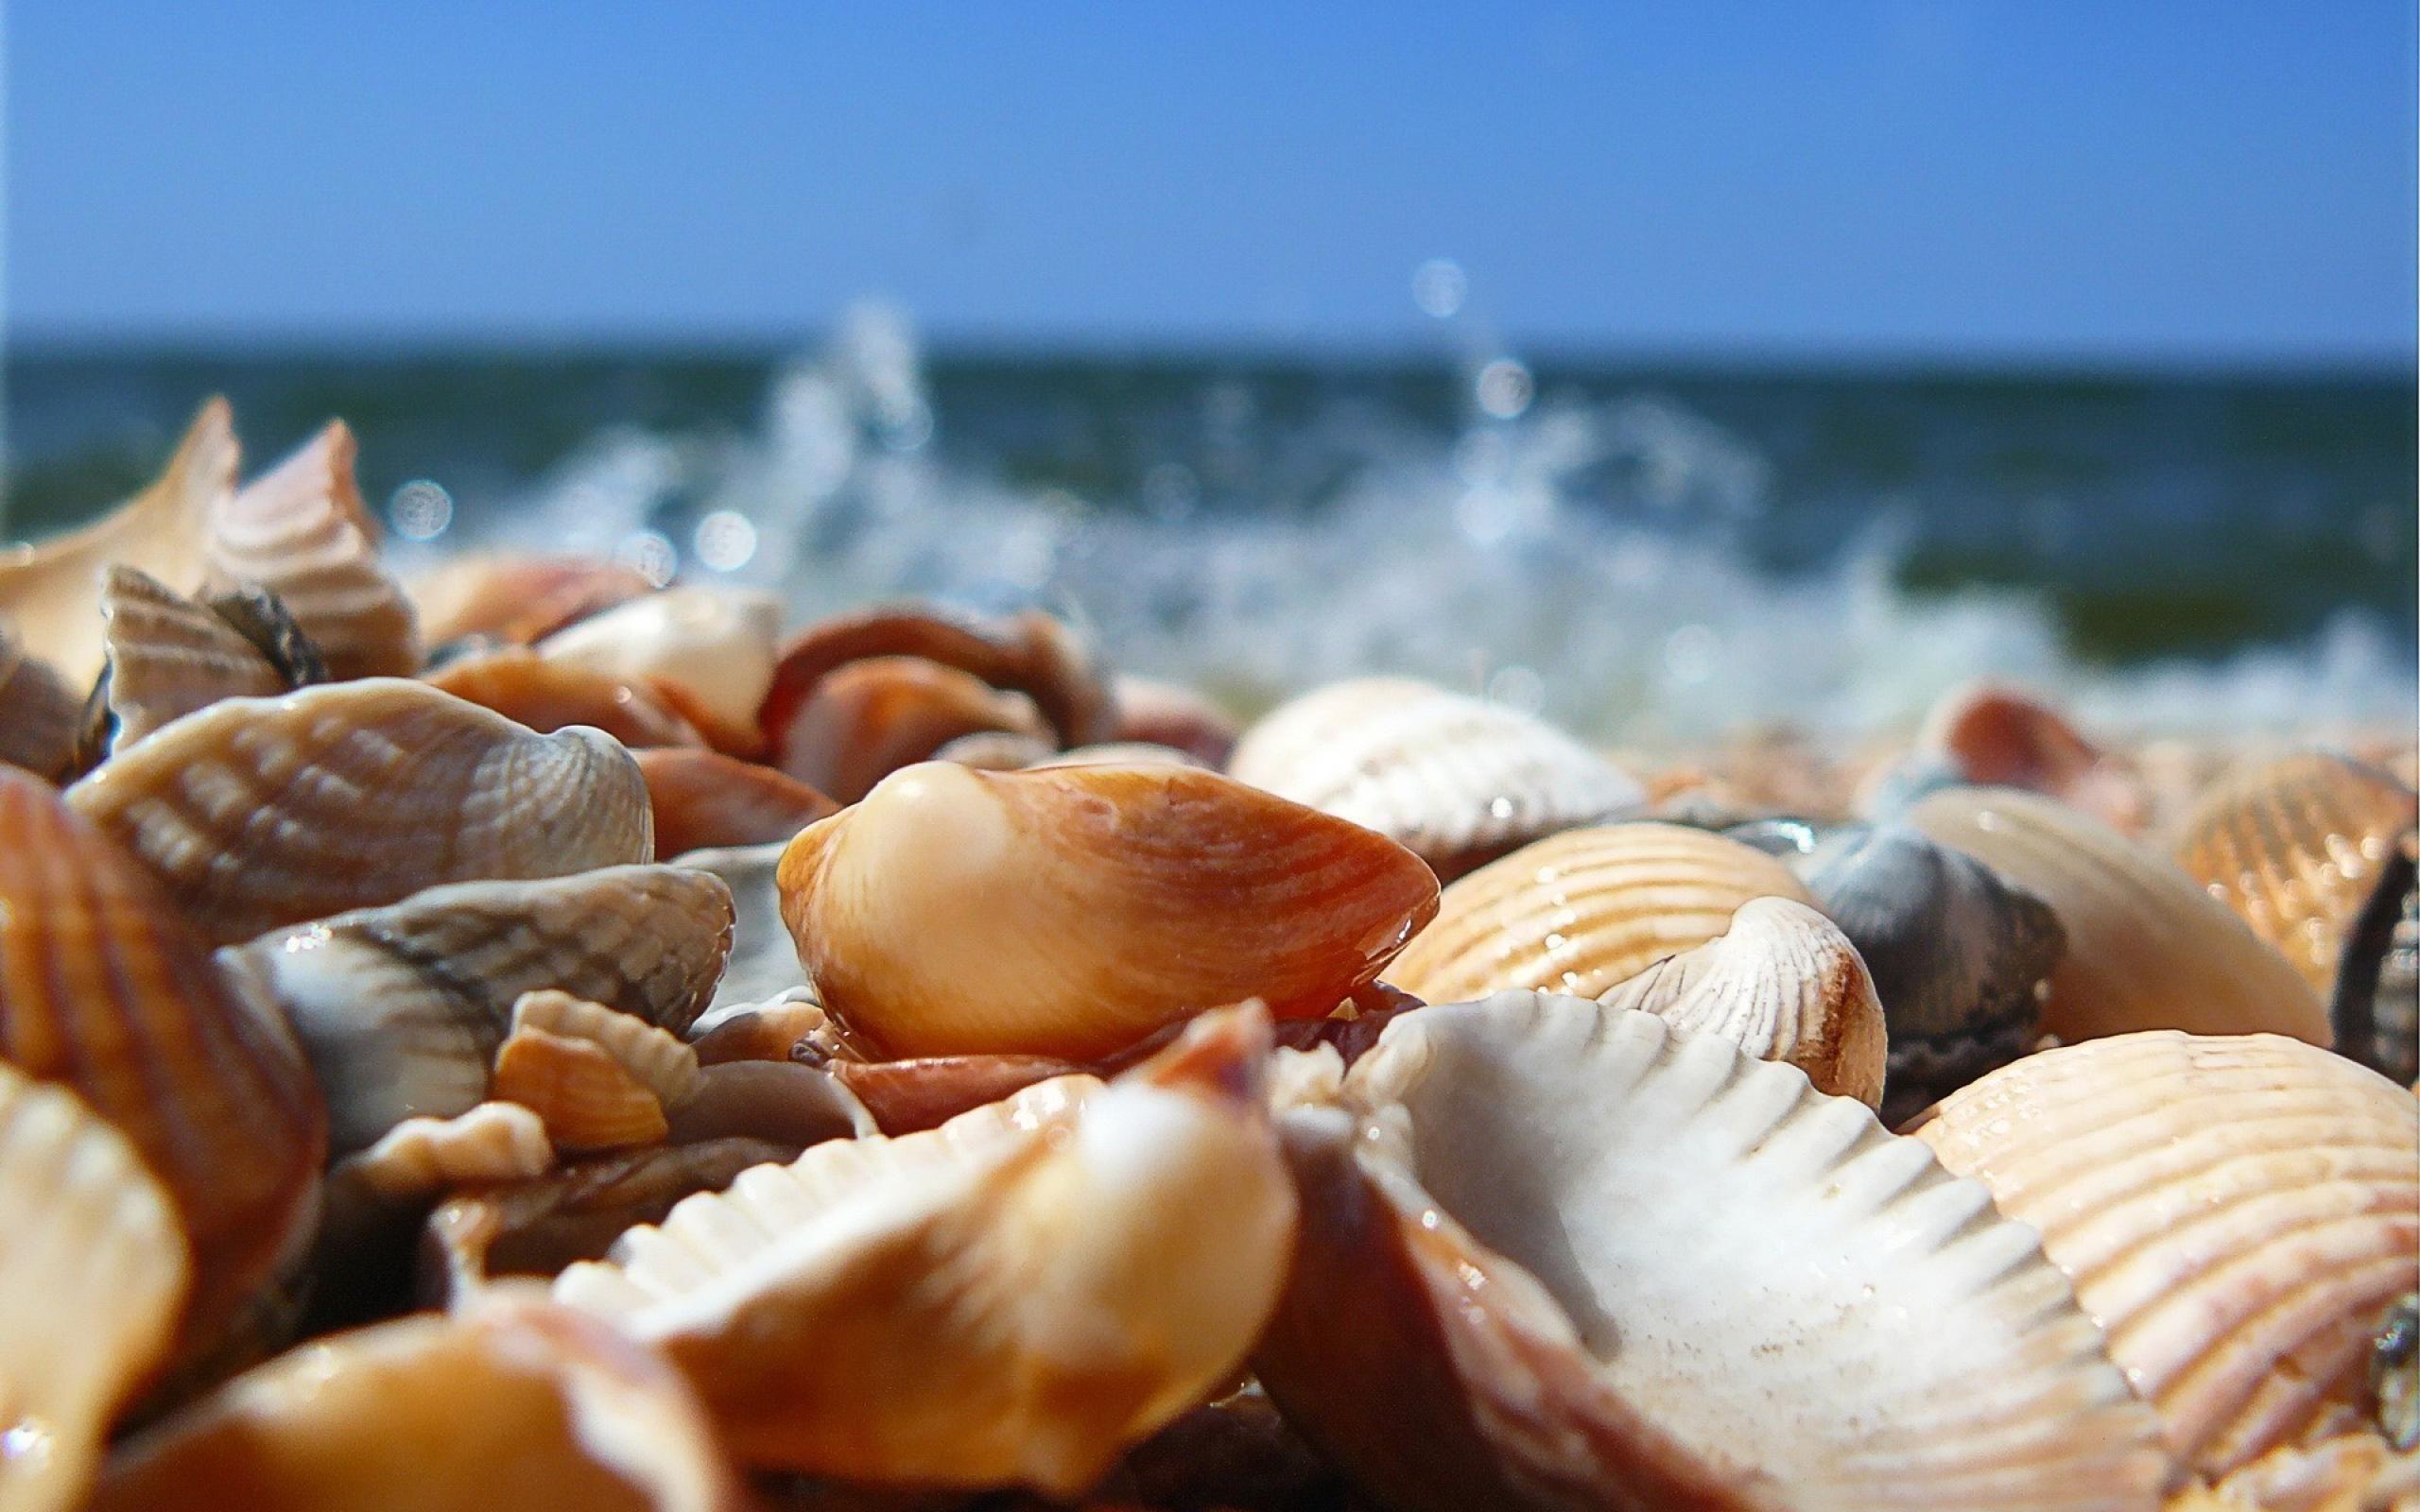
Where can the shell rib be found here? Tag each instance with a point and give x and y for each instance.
(2235, 1212)
(598, 1078)
(703, 798)
(1069, 911)
(169, 654)
(546, 696)
(38, 717)
(262, 811)
(764, 962)
(716, 643)
(1583, 911)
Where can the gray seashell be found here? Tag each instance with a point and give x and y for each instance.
(763, 961)
(2377, 1004)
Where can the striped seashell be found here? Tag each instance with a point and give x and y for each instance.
(169, 654)
(2377, 1008)
(715, 644)
(870, 718)
(704, 800)
(546, 696)
(518, 600)
(763, 961)
(2348, 1472)
(598, 1078)
(38, 717)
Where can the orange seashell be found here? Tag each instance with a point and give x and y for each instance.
(598, 1078)
(519, 600)
(710, 649)
(906, 1095)
(703, 798)
(550, 695)
(1996, 736)
(872, 717)
(1069, 911)
(38, 717)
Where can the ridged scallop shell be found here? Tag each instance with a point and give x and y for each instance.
(402, 1009)
(1558, 1256)
(1458, 779)
(764, 962)
(518, 600)
(1585, 910)
(515, 1402)
(105, 989)
(2235, 1213)
(1069, 911)
(716, 644)
(2146, 949)
(1111, 1251)
(1959, 956)
(704, 800)
(1782, 984)
(546, 696)
(301, 531)
(870, 718)
(169, 654)
(46, 590)
(423, 1157)
(93, 1271)
(38, 717)
(1168, 713)
(262, 811)
(598, 1078)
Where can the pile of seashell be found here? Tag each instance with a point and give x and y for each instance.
(1022, 1087)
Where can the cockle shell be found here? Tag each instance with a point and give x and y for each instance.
(301, 531)
(1014, 1296)
(422, 1157)
(1458, 779)
(2235, 1213)
(105, 989)
(261, 812)
(598, 1078)
(1068, 910)
(92, 1270)
(402, 1009)
(705, 799)
(46, 590)
(38, 717)
(1585, 910)
(871, 717)
(764, 962)
(519, 600)
(1168, 713)
(1782, 984)
(715, 644)
(2146, 949)
(1555, 1255)
(169, 654)
(515, 1402)
(546, 696)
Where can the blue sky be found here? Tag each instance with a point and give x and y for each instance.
(2212, 181)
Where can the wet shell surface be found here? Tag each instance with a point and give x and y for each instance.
(716, 643)
(1782, 984)
(262, 811)
(1014, 1296)
(598, 1078)
(703, 799)
(1068, 910)
(548, 695)
(301, 531)
(1584, 911)
(1555, 1255)
(2145, 948)
(870, 718)
(92, 1272)
(2235, 1212)
(1458, 779)
(38, 717)
(169, 654)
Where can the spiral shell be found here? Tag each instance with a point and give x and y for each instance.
(548, 695)
(38, 717)
(704, 800)
(715, 644)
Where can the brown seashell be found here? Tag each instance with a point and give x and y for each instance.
(46, 590)
(262, 618)
(169, 656)
(791, 1027)
(598, 1078)
(38, 717)
(785, 1101)
(1782, 984)
(514, 1403)
(1585, 910)
(1995, 737)
(1168, 713)
(2375, 1010)
(2234, 1211)
(301, 531)
(546, 696)
(93, 1271)
(870, 718)
(1112, 1249)
(703, 798)
(904, 1096)
(519, 600)
(1068, 910)
(105, 989)
(715, 645)
(261, 812)
(1458, 779)
(2145, 948)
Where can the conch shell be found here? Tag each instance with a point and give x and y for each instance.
(38, 717)
(546, 696)
(715, 644)
(704, 800)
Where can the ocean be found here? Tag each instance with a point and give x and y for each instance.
(1647, 552)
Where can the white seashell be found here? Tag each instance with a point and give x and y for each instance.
(716, 643)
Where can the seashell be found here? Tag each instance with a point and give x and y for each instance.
(905, 1096)
(262, 811)
(704, 800)
(997, 750)
(2376, 1006)
(2348, 1472)
(1556, 1255)
(512, 1403)
(2395, 1372)
(262, 618)
(548, 696)
(1236, 1451)
(402, 1009)
(1958, 954)
(169, 654)
(519, 600)
(2145, 948)
(1120, 753)
(106, 990)
(1068, 910)
(93, 1271)
(46, 590)
(792, 1027)
(1782, 984)
(1585, 910)
(872, 717)
(1986, 736)
(764, 963)
(1166, 714)
(715, 644)
(423, 1157)
(785, 1101)
(301, 531)
(1111, 1249)
(598, 1078)
(1458, 779)
(38, 717)
(2234, 1211)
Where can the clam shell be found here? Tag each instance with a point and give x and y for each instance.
(38, 717)
(871, 717)
(1458, 779)
(1068, 910)
(402, 1009)
(2235, 1213)
(2146, 949)
(1782, 984)
(105, 989)
(92, 1270)
(169, 654)
(519, 600)
(598, 1078)
(764, 963)
(301, 531)
(1583, 911)
(1166, 714)
(1111, 1251)
(716, 643)
(667, 1067)
(704, 800)
(789, 1102)
(1557, 1255)
(262, 811)
(421, 1158)
(546, 696)
(905, 1096)
(46, 590)
(515, 1402)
